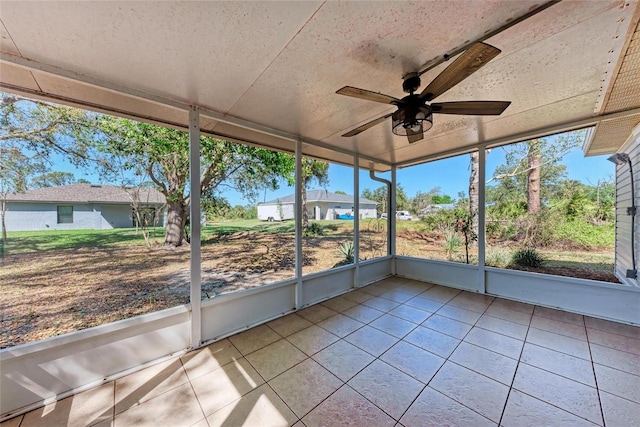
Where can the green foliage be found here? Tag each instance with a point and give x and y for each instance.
(527, 257)
(584, 235)
(346, 252)
(380, 195)
(452, 243)
(52, 179)
(314, 229)
(441, 199)
(497, 257)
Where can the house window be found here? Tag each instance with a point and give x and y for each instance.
(65, 214)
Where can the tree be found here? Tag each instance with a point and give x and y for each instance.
(534, 162)
(164, 154)
(474, 186)
(15, 169)
(380, 195)
(52, 179)
(312, 170)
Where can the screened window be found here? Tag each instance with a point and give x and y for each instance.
(65, 214)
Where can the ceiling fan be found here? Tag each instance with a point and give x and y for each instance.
(414, 115)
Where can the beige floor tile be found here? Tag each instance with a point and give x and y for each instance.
(618, 342)
(289, 324)
(618, 411)
(363, 314)
(613, 358)
(612, 327)
(440, 293)
(316, 313)
(376, 289)
(491, 364)
(209, 358)
(312, 339)
(562, 316)
(358, 296)
(83, 409)
(339, 304)
(148, 383)
(414, 361)
(345, 407)
(561, 343)
(260, 407)
(12, 422)
(225, 385)
(381, 304)
(557, 327)
(423, 303)
(254, 339)
(447, 326)
(178, 407)
(472, 301)
(475, 391)
(202, 423)
(393, 325)
(504, 327)
(508, 314)
(399, 295)
(622, 384)
(343, 359)
(559, 363)
(459, 314)
(340, 325)
(433, 408)
(499, 343)
(304, 386)
(513, 305)
(371, 340)
(572, 396)
(433, 341)
(525, 411)
(390, 389)
(412, 314)
(275, 358)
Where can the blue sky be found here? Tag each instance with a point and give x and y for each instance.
(451, 175)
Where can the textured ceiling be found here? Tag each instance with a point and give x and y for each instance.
(266, 72)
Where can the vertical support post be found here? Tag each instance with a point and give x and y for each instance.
(298, 224)
(356, 220)
(392, 220)
(482, 235)
(194, 216)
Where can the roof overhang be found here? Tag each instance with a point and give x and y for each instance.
(266, 73)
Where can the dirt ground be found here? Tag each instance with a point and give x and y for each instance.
(50, 293)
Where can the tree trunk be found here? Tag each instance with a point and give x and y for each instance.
(534, 159)
(474, 184)
(177, 215)
(305, 215)
(3, 209)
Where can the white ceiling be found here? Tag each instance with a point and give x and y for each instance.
(267, 72)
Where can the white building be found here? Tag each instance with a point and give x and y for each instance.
(321, 204)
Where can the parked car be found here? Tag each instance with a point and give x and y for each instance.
(383, 215)
(404, 216)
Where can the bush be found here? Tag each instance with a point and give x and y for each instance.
(497, 257)
(451, 243)
(527, 258)
(314, 229)
(346, 252)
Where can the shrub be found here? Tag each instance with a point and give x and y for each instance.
(451, 243)
(314, 229)
(527, 258)
(346, 252)
(497, 257)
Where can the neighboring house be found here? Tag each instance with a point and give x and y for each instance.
(627, 225)
(82, 206)
(436, 208)
(321, 204)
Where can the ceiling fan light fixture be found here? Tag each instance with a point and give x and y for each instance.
(409, 121)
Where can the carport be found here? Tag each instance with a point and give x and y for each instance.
(266, 74)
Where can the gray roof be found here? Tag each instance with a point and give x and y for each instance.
(320, 196)
(88, 193)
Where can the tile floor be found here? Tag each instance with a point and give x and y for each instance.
(396, 353)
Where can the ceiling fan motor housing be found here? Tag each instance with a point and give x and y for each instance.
(411, 83)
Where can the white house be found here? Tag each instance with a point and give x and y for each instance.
(81, 206)
(321, 204)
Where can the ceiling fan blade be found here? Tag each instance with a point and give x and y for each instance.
(468, 63)
(366, 126)
(471, 108)
(415, 136)
(367, 94)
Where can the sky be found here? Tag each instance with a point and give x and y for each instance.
(451, 175)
